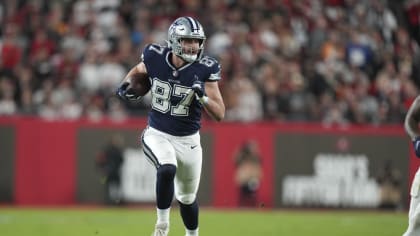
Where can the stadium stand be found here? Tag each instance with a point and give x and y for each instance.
(330, 61)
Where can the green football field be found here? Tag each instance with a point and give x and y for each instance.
(140, 221)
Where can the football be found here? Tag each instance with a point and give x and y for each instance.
(140, 85)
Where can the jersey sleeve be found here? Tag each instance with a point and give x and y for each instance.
(147, 54)
(152, 54)
(214, 69)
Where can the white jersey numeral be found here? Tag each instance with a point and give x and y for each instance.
(207, 61)
(161, 95)
(158, 49)
(161, 92)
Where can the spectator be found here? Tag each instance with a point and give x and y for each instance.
(11, 52)
(333, 61)
(389, 180)
(8, 105)
(248, 173)
(246, 103)
(109, 160)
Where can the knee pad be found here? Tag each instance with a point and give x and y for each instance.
(186, 199)
(166, 172)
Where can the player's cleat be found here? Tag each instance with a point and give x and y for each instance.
(161, 229)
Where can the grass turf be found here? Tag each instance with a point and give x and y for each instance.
(140, 222)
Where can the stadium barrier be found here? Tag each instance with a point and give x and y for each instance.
(303, 165)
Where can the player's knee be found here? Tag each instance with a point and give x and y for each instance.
(166, 172)
(186, 199)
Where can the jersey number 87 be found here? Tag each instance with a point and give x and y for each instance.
(162, 92)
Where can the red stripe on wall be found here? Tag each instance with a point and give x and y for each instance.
(27, 163)
(59, 157)
(45, 162)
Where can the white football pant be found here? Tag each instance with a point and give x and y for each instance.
(184, 152)
(414, 212)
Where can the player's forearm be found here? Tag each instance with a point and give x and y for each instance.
(411, 123)
(213, 103)
(133, 73)
(136, 71)
(411, 127)
(216, 110)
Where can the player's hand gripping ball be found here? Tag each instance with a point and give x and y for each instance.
(135, 90)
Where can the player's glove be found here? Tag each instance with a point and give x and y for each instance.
(416, 144)
(200, 93)
(127, 93)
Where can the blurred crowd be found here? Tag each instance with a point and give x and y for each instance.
(330, 61)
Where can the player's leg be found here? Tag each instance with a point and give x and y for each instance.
(189, 155)
(414, 211)
(186, 193)
(161, 154)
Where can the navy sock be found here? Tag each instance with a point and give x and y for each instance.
(189, 215)
(165, 185)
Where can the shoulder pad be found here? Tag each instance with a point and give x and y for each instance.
(153, 50)
(212, 66)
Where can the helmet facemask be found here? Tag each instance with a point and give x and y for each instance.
(189, 53)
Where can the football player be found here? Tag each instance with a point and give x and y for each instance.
(183, 82)
(411, 126)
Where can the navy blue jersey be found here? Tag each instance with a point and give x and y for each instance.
(175, 109)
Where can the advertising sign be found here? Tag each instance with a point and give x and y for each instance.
(336, 170)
